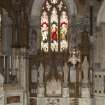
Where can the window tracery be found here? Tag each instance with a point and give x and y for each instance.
(54, 26)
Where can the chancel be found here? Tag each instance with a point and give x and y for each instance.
(52, 52)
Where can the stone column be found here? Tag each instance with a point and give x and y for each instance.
(95, 50)
(6, 34)
(24, 29)
(23, 69)
(24, 66)
(6, 40)
(98, 46)
(103, 46)
(20, 70)
(16, 66)
(20, 67)
(20, 26)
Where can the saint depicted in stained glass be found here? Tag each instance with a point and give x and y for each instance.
(44, 31)
(54, 26)
(63, 31)
(54, 30)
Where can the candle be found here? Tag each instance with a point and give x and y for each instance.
(16, 62)
(4, 61)
(10, 62)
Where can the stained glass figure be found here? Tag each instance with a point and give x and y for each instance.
(54, 30)
(44, 31)
(63, 31)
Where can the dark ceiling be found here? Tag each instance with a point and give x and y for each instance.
(12, 6)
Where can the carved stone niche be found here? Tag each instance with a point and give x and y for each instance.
(41, 91)
(54, 81)
(53, 88)
(41, 74)
(34, 74)
(41, 87)
(65, 92)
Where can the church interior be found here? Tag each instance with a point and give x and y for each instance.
(52, 52)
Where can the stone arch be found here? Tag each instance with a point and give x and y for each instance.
(36, 7)
(36, 13)
(101, 14)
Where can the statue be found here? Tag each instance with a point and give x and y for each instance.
(66, 72)
(85, 69)
(34, 74)
(73, 73)
(41, 73)
(33, 42)
(47, 70)
(59, 70)
(1, 81)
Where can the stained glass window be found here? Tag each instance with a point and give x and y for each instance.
(0, 23)
(54, 26)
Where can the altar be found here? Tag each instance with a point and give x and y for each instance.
(53, 101)
(61, 101)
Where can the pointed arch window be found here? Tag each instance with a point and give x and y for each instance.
(54, 26)
(0, 24)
